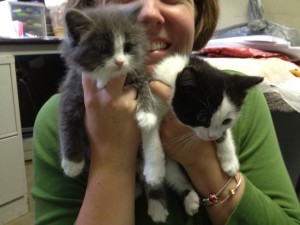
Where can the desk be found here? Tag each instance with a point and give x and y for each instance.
(29, 46)
(14, 193)
(38, 70)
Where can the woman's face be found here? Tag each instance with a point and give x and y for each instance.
(170, 27)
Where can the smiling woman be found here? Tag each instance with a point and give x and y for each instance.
(105, 192)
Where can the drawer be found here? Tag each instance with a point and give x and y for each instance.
(8, 124)
(12, 170)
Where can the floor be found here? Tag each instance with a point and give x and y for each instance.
(27, 219)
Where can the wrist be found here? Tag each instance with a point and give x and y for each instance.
(205, 170)
(111, 160)
(209, 180)
(109, 190)
(224, 194)
(203, 155)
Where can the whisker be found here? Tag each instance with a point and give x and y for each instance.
(183, 141)
(179, 139)
(192, 140)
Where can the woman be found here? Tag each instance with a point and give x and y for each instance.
(105, 194)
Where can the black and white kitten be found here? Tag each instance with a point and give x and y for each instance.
(209, 101)
(103, 43)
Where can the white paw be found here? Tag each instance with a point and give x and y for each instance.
(100, 84)
(192, 203)
(230, 167)
(154, 173)
(146, 120)
(72, 169)
(157, 211)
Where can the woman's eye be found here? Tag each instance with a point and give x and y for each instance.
(171, 2)
(121, 1)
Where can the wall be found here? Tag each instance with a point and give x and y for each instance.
(284, 12)
(232, 12)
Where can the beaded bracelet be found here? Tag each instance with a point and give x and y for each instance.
(213, 199)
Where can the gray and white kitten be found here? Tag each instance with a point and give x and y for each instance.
(103, 43)
(106, 43)
(210, 102)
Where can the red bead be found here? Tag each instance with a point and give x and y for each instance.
(213, 199)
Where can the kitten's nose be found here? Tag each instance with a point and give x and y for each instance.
(119, 63)
(211, 135)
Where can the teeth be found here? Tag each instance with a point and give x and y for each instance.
(157, 46)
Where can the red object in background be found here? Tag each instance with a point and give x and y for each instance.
(240, 52)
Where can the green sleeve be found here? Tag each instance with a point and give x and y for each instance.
(269, 196)
(57, 197)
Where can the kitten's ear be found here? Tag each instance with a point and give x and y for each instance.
(246, 82)
(77, 24)
(133, 10)
(186, 78)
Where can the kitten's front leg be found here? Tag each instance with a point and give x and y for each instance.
(145, 114)
(71, 134)
(227, 155)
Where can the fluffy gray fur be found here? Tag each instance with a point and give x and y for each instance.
(95, 40)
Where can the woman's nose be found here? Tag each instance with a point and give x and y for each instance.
(150, 13)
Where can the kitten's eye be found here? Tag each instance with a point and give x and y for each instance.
(202, 116)
(227, 121)
(104, 48)
(128, 47)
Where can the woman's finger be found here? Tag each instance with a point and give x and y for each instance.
(89, 87)
(162, 90)
(116, 85)
(113, 87)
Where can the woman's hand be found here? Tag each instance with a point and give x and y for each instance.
(114, 138)
(110, 120)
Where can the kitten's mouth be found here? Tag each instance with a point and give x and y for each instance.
(158, 46)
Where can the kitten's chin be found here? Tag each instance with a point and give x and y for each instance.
(205, 136)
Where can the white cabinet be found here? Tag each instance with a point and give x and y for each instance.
(13, 191)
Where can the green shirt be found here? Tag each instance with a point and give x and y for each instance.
(269, 197)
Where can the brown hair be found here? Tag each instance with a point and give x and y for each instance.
(205, 22)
